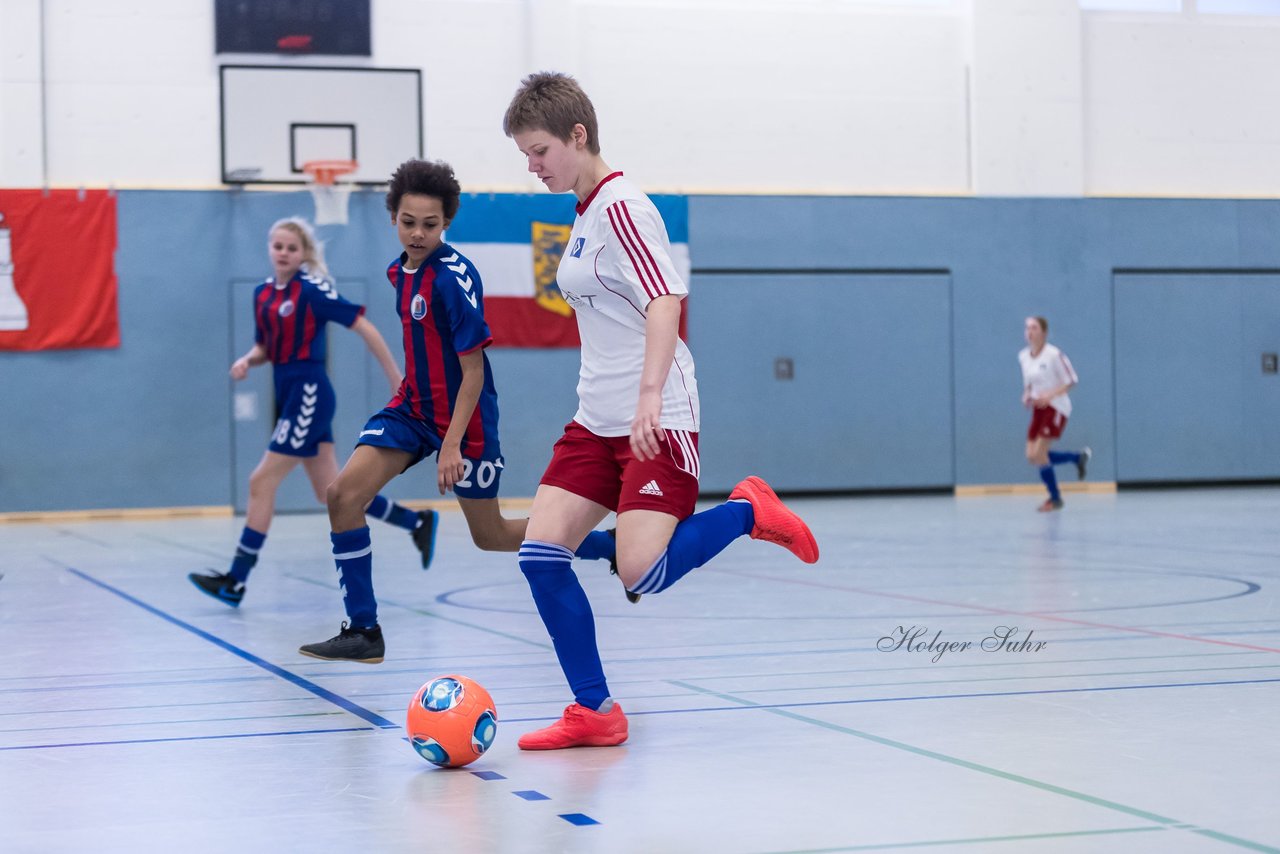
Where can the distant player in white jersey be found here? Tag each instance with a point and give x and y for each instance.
(632, 446)
(1047, 376)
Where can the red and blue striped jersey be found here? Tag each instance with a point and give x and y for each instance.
(441, 308)
(290, 317)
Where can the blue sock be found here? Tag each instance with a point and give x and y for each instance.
(695, 541)
(246, 553)
(1050, 481)
(392, 513)
(566, 613)
(1057, 458)
(353, 554)
(599, 545)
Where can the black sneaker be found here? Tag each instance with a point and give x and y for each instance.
(633, 598)
(1083, 461)
(350, 644)
(424, 536)
(222, 587)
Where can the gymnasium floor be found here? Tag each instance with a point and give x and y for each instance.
(138, 715)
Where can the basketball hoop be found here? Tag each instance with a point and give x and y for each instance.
(327, 191)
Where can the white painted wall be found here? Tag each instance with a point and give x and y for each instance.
(994, 97)
(1182, 105)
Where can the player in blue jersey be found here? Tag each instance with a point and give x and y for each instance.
(291, 310)
(447, 404)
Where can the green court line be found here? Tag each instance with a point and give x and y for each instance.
(431, 614)
(980, 840)
(983, 769)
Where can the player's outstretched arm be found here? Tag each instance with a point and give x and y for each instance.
(378, 347)
(257, 355)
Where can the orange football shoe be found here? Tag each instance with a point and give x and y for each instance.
(579, 727)
(774, 522)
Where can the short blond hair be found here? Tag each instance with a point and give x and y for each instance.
(554, 102)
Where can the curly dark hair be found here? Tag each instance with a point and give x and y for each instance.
(426, 178)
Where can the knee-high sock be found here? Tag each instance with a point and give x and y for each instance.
(599, 545)
(1057, 458)
(353, 554)
(695, 541)
(246, 553)
(566, 613)
(392, 513)
(1050, 482)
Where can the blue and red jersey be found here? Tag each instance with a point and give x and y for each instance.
(289, 318)
(441, 308)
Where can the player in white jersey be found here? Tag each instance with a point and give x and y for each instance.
(632, 446)
(1047, 376)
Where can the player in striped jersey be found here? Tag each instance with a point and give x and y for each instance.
(447, 404)
(1047, 376)
(632, 446)
(291, 310)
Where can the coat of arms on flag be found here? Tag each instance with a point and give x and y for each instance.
(549, 242)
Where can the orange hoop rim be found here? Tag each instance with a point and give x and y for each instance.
(326, 172)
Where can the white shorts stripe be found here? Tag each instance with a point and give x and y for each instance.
(688, 451)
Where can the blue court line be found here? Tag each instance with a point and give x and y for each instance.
(923, 697)
(488, 775)
(374, 718)
(305, 684)
(184, 738)
(531, 795)
(579, 819)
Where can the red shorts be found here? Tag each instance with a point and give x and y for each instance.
(602, 469)
(1046, 422)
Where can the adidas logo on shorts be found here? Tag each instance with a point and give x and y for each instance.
(650, 488)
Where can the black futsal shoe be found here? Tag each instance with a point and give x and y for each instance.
(350, 644)
(424, 536)
(1082, 462)
(222, 587)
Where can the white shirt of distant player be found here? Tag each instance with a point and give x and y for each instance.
(1047, 371)
(617, 261)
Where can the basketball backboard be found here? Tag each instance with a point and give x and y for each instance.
(275, 118)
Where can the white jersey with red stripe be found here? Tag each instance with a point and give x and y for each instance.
(617, 261)
(1048, 370)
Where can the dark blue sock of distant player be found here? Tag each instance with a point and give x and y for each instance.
(695, 541)
(392, 513)
(1050, 481)
(599, 545)
(566, 613)
(246, 553)
(353, 554)
(1057, 458)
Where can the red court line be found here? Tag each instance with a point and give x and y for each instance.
(1004, 611)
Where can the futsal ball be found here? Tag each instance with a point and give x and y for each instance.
(452, 721)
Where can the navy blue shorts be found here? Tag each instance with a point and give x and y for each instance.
(393, 429)
(305, 403)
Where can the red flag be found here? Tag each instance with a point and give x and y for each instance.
(57, 270)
